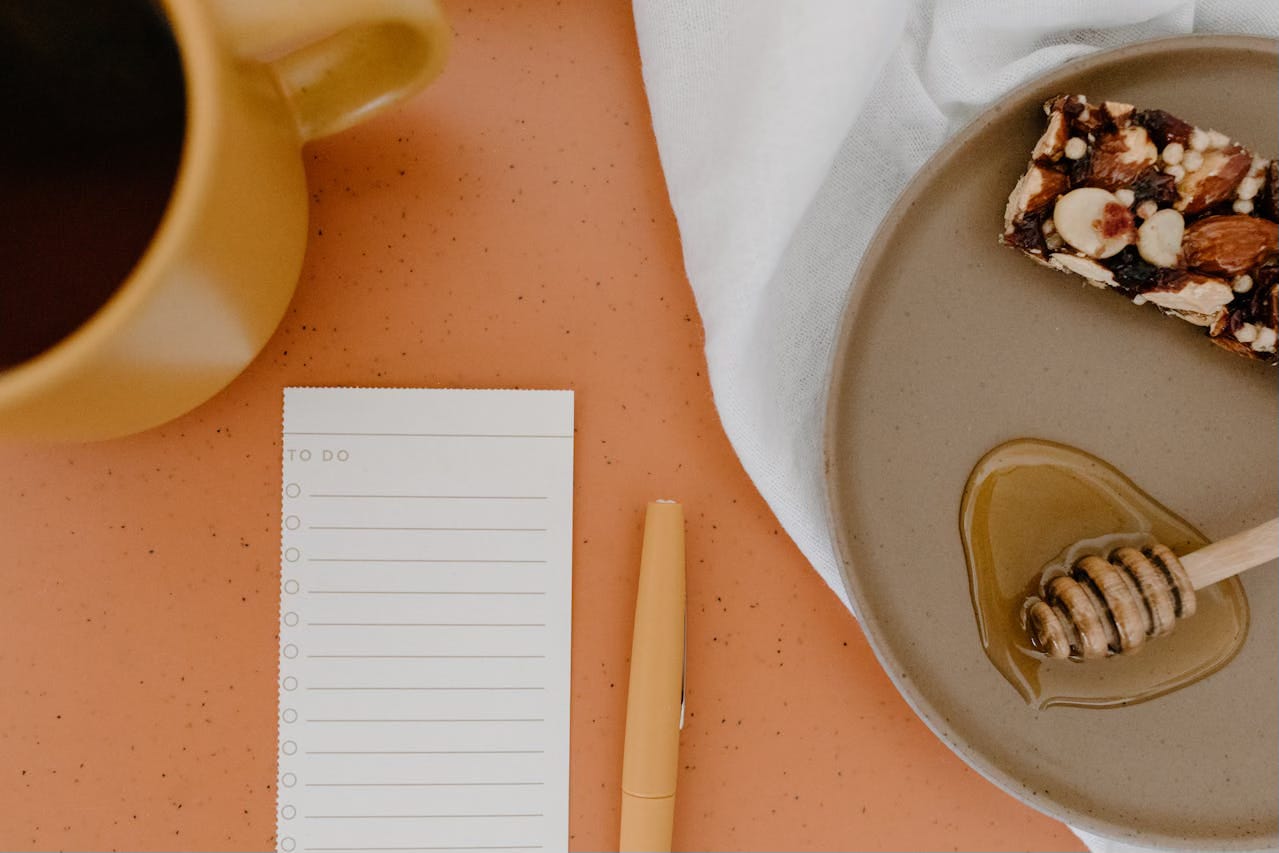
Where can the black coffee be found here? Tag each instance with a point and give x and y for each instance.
(92, 95)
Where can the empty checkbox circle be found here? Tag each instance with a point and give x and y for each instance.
(292, 522)
(290, 619)
(288, 812)
(289, 715)
(292, 555)
(291, 586)
(292, 490)
(290, 683)
(288, 747)
(290, 651)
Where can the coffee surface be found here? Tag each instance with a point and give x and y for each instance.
(94, 104)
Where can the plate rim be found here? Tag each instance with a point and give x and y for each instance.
(875, 254)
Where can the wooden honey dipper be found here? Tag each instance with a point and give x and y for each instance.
(1105, 607)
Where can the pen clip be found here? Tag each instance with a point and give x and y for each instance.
(683, 678)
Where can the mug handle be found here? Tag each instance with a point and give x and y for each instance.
(341, 61)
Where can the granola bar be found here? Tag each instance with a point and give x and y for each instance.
(1144, 203)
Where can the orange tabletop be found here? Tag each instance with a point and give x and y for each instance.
(507, 228)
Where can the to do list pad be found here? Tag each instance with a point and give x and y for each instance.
(425, 620)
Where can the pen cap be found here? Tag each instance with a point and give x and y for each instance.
(651, 756)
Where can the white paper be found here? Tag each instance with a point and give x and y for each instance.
(425, 620)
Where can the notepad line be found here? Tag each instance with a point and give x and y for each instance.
(445, 847)
(383, 559)
(432, 656)
(424, 688)
(426, 624)
(425, 752)
(434, 434)
(412, 816)
(422, 784)
(425, 720)
(414, 560)
(419, 592)
(431, 497)
(435, 529)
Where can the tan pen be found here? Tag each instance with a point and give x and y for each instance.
(655, 694)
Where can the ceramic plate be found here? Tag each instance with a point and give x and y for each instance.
(951, 344)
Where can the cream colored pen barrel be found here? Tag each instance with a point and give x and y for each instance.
(651, 758)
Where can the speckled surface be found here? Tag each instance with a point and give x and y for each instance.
(509, 227)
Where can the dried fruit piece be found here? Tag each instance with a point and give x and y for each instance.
(1027, 234)
(1230, 245)
(1164, 127)
(1133, 273)
(1272, 318)
(1268, 201)
(1156, 186)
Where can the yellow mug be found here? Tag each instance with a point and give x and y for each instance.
(261, 77)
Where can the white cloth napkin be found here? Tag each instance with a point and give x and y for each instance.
(786, 129)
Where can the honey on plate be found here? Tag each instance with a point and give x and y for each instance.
(1030, 509)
